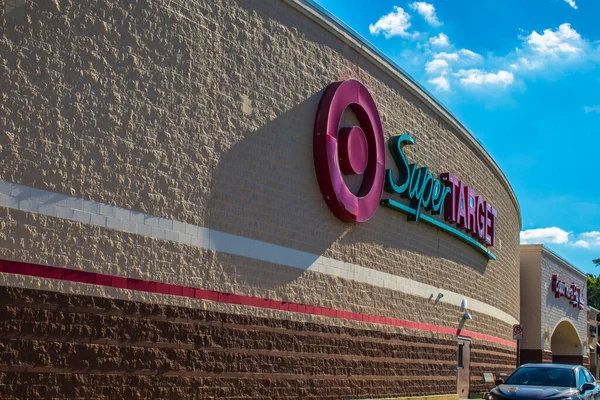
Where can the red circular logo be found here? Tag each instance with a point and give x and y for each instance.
(348, 151)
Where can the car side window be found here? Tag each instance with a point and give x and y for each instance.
(588, 377)
(581, 378)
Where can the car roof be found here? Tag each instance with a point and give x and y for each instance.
(547, 365)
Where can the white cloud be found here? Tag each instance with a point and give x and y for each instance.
(525, 63)
(590, 239)
(441, 83)
(446, 56)
(395, 23)
(469, 54)
(556, 235)
(544, 235)
(591, 235)
(582, 243)
(549, 50)
(541, 53)
(436, 66)
(445, 63)
(462, 53)
(571, 3)
(591, 109)
(427, 11)
(556, 48)
(440, 40)
(585, 240)
(479, 77)
(564, 40)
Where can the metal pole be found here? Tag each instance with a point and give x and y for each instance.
(518, 353)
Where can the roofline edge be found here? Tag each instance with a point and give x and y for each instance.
(543, 249)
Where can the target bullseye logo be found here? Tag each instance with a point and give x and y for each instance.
(349, 151)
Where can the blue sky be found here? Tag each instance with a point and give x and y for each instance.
(523, 76)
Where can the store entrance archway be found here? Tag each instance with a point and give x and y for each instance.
(566, 344)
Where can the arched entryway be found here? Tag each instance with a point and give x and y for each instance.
(566, 344)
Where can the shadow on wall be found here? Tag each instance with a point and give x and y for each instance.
(265, 188)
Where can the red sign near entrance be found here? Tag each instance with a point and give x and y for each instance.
(571, 292)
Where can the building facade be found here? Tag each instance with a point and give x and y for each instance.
(222, 200)
(554, 311)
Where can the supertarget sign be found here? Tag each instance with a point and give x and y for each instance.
(438, 200)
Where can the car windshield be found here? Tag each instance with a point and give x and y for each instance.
(560, 377)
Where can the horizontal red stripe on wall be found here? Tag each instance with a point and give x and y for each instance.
(71, 275)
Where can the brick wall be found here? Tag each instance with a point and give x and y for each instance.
(487, 358)
(58, 345)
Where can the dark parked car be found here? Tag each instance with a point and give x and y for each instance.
(547, 381)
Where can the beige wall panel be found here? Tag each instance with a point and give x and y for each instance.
(531, 317)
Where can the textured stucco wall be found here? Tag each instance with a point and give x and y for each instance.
(202, 112)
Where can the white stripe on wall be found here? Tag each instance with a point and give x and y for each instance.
(51, 204)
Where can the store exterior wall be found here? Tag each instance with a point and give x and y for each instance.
(561, 333)
(164, 235)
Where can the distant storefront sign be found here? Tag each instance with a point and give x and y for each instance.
(570, 291)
